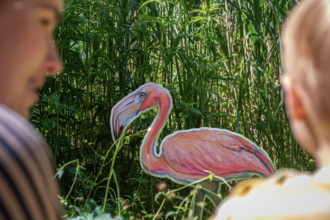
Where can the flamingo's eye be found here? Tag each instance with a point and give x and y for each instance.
(142, 95)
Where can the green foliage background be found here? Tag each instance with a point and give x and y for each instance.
(220, 60)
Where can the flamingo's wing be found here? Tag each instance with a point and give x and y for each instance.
(223, 153)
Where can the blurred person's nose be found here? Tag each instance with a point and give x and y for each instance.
(52, 63)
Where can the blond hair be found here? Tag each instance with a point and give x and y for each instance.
(306, 46)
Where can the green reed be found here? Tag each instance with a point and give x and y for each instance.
(220, 60)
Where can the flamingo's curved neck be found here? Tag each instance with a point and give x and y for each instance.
(151, 160)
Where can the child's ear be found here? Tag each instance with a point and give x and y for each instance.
(293, 98)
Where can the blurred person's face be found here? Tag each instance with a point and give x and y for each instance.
(27, 53)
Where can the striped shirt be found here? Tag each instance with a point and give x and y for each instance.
(28, 190)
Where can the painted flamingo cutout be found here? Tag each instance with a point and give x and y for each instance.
(187, 156)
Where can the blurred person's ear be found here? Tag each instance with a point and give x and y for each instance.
(293, 100)
(299, 111)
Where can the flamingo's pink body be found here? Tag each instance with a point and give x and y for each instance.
(189, 155)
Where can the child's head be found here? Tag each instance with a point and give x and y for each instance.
(306, 81)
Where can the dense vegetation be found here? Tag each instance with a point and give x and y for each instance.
(220, 60)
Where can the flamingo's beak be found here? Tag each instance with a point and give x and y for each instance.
(123, 114)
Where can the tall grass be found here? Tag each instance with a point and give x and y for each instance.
(220, 60)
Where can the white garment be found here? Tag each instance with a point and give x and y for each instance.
(287, 194)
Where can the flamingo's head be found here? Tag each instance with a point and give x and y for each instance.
(124, 112)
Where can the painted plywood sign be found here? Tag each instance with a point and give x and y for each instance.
(188, 155)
